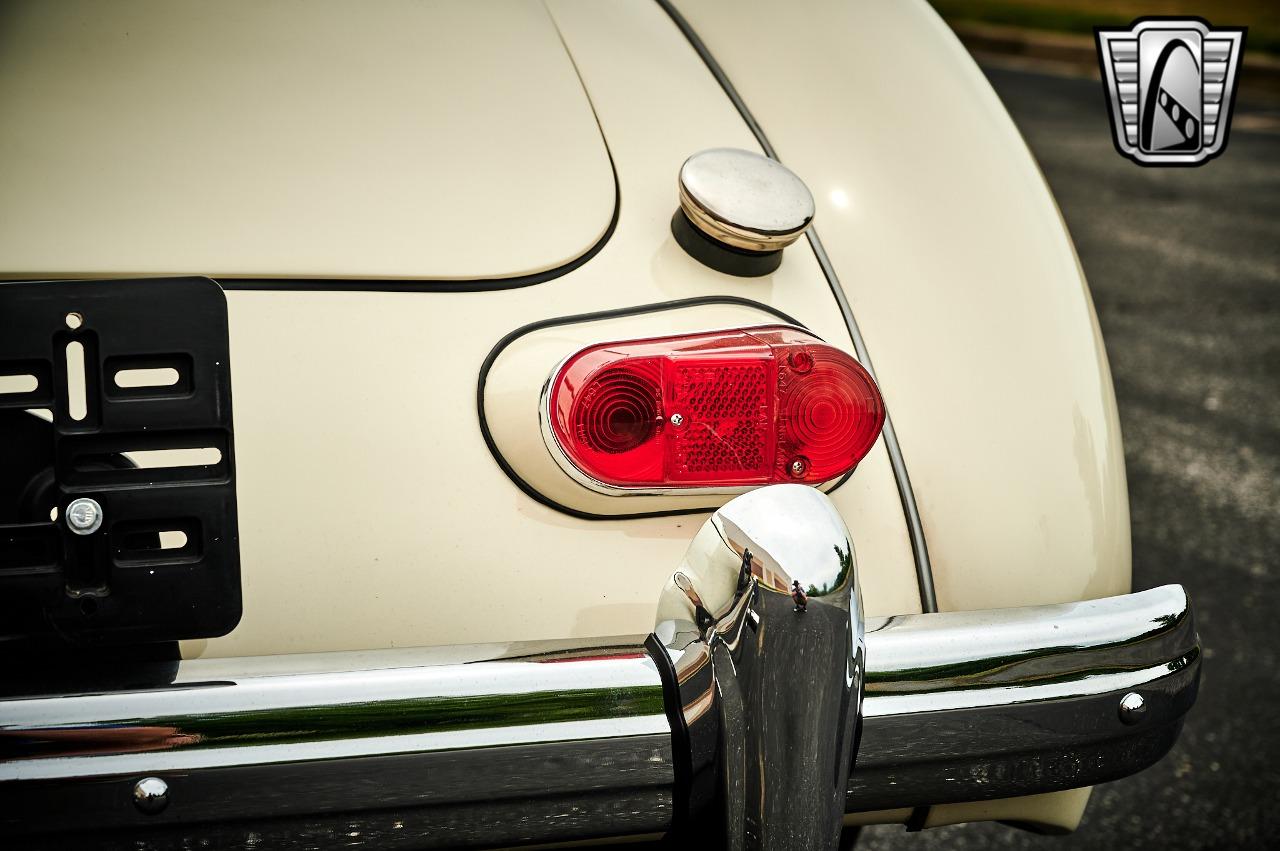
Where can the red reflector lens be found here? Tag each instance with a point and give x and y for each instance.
(719, 409)
(621, 411)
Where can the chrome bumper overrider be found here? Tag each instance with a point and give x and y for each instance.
(736, 720)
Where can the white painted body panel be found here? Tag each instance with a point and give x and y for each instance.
(964, 283)
(397, 139)
(371, 512)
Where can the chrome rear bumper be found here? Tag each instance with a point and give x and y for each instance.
(479, 745)
(506, 744)
(971, 706)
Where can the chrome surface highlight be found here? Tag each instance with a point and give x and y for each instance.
(439, 731)
(769, 681)
(1133, 708)
(151, 795)
(970, 706)
(739, 721)
(744, 200)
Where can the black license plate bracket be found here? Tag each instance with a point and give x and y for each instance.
(133, 378)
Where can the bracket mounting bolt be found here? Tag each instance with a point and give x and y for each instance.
(84, 516)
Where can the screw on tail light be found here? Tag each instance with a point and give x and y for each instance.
(720, 410)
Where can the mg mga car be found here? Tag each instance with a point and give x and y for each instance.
(441, 424)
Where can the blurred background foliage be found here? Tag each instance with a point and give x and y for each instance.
(1262, 17)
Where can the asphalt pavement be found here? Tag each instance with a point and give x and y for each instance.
(1184, 265)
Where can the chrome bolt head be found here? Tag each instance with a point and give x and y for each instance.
(84, 516)
(151, 795)
(677, 420)
(1132, 708)
(798, 467)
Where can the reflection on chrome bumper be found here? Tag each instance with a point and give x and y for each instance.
(494, 745)
(481, 745)
(972, 706)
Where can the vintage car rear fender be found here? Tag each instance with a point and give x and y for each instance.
(966, 288)
(963, 280)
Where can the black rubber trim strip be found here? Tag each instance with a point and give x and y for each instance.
(681, 761)
(911, 511)
(532, 492)
(719, 256)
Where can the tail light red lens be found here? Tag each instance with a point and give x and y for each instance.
(712, 410)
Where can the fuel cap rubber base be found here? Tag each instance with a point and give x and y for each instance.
(739, 209)
(723, 258)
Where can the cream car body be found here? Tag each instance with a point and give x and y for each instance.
(362, 179)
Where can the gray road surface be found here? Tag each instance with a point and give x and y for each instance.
(1184, 265)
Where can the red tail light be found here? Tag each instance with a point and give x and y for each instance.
(711, 410)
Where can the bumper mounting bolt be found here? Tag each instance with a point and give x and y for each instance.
(1132, 708)
(151, 795)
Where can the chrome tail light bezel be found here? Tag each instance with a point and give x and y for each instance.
(564, 460)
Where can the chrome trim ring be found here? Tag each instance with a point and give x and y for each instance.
(744, 200)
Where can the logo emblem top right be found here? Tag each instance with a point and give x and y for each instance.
(1170, 86)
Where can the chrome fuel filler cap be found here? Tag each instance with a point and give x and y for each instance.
(739, 209)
